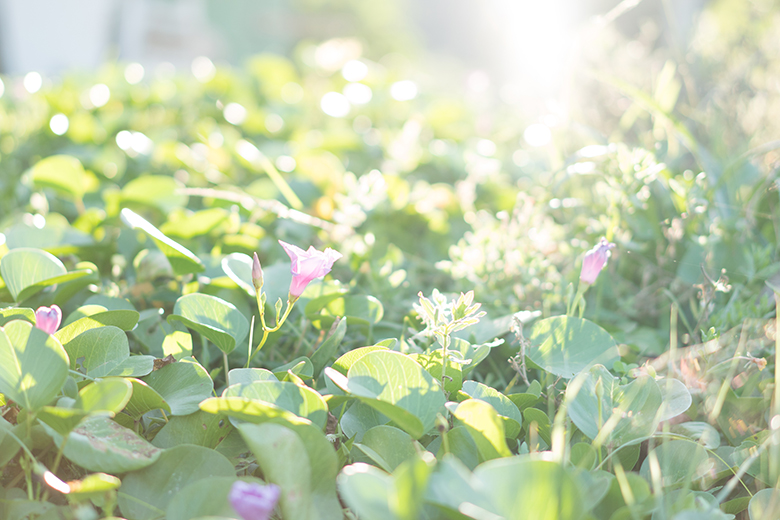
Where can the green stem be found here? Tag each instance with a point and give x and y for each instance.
(227, 367)
(267, 330)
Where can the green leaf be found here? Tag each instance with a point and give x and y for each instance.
(359, 418)
(251, 411)
(680, 461)
(329, 347)
(366, 490)
(397, 386)
(765, 505)
(182, 260)
(104, 351)
(145, 494)
(520, 488)
(63, 173)
(199, 428)
(216, 319)
(238, 267)
(433, 364)
(122, 319)
(565, 345)
(144, 399)
(33, 365)
(701, 432)
(627, 413)
(16, 313)
(343, 364)
(249, 375)
(100, 444)
(301, 461)
(183, 385)
(300, 400)
(25, 271)
(485, 426)
(511, 416)
(197, 224)
(61, 419)
(300, 366)
(386, 446)
(205, 498)
(542, 421)
(106, 395)
(156, 191)
(177, 344)
(676, 398)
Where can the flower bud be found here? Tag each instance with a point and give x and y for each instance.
(48, 319)
(257, 274)
(595, 260)
(254, 501)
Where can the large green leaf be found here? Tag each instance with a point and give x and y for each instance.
(219, 321)
(300, 400)
(105, 395)
(205, 498)
(33, 365)
(238, 267)
(485, 426)
(144, 399)
(520, 488)
(249, 410)
(566, 345)
(145, 494)
(63, 173)
(679, 460)
(105, 351)
(199, 428)
(385, 446)
(182, 260)
(511, 416)
(25, 268)
(367, 491)
(618, 414)
(100, 444)
(183, 385)
(157, 191)
(395, 385)
(301, 461)
(765, 505)
(123, 319)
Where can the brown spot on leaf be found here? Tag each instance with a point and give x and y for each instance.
(167, 360)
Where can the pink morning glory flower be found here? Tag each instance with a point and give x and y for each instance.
(254, 501)
(308, 265)
(595, 260)
(48, 319)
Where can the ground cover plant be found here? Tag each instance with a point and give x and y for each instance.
(253, 294)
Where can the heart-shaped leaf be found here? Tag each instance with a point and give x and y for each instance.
(183, 385)
(216, 319)
(511, 416)
(33, 365)
(300, 400)
(199, 428)
(105, 351)
(395, 385)
(301, 461)
(63, 173)
(100, 444)
(604, 410)
(122, 319)
(485, 426)
(144, 399)
(145, 494)
(566, 345)
(23, 269)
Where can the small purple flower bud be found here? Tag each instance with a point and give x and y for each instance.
(257, 274)
(254, 501)
(48, 319)
(595, 260)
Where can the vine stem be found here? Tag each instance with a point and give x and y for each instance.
(267, 330)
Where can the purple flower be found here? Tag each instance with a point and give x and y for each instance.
(308, 265)
(48, 319)
(254, 501)
(595, 260)
(257, 274)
